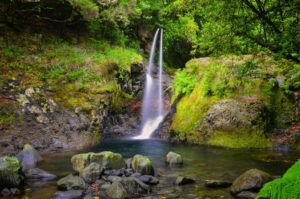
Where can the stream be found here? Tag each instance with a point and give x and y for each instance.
(200, 163)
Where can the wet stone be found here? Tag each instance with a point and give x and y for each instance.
(217, 184)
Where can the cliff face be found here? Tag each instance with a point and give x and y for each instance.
(58, 95)
(238, 102)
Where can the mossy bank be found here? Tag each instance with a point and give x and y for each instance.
(238, 102)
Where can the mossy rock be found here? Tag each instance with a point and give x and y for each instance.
(142, 164)
(105, 159)
(10, 172)
(71, 182)
(285, 187)
(174, 159)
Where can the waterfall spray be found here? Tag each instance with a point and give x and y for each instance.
(153, 104)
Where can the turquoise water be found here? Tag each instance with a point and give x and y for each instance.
(200, 163)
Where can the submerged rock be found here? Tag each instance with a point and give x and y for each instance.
(217, 184)
(174, 159)
(252, 179)
(149, 179)
(106, 159)
(246, 195)
(29, 157)
(10, 172)
(142, 164)
(184, 181)
(72, 194)
(92, 172)
(71, 182)
(38, 174)
(116, 191)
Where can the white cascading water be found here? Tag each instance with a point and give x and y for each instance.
(153, 101)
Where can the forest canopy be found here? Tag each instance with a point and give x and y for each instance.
(192, 27)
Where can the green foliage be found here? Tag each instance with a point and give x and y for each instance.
(87, 8)
(183, 83)
(285, 187)
(12, 52)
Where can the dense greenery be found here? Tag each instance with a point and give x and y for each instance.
(192, 27)
(285, 187)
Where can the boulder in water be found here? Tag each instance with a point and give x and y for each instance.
(29, 157)
(149, 179)
(10, 172)
(116, 191)
(106, 159)
(92, 172)
(71, 182)
(174, 159)
(184, 180)
(252, 179)
(38, 174)
(142, 164)
(72, 194)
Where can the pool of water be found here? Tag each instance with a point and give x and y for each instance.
(200, 163)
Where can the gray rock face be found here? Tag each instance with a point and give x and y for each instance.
(29, 157)
(184, 181)
(72, 194)
(174, 159)
(71, 182)
(92, 172)
(10, 172)
(252, 179)
(231, 115)
(38, 174)
(246, 195)
(116, 191)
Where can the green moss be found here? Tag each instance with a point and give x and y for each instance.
(10, 162)
(87, 8)
(190, 111)
(239, 139)
(142, 164)
(285, 187)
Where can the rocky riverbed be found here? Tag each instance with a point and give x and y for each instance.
(161, 170)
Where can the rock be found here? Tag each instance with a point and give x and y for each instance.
(15, 191)
(217, 184)
(105, 186)
(72, 194)
(5, 192)
(71, 182)
(114, 179)
(252, 179)
(10, 172)
(128, 163)
(148, 179)
(92, 172)
(116, 191)
(144, 186)
(29, 157)
(38, 174)
(184, 181)
(246, 195)
(106, 159)
(142, 165)
(130, 185)
(174, 159)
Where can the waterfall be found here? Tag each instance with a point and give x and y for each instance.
(153, 100)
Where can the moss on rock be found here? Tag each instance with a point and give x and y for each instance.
(142, 164)
(236, 101)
